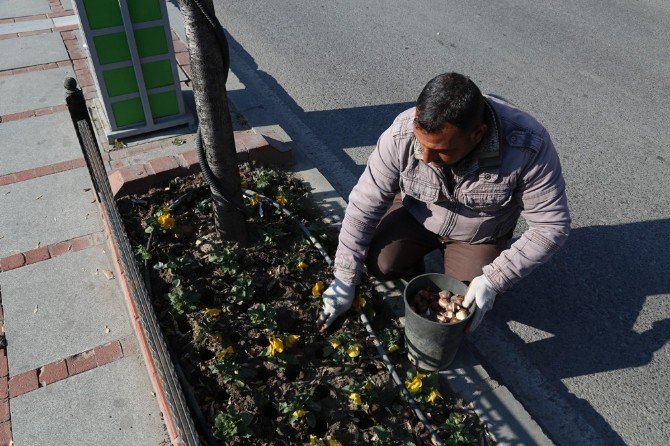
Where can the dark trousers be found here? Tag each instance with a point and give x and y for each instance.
(400, 243)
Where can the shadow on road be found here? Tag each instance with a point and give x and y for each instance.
(602, 302)
(589, 298)
(338, 129)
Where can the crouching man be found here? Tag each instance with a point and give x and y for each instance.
(454, 173)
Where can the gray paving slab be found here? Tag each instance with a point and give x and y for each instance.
(18, 8)
(67, 4)
(37, 142)
(32, 50)
(109, 405)
(504, 416)
(29, 91)
(60, 307)
(66, 21)
(47, 210)
(22, 27)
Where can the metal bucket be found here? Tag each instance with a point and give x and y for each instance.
(432, 345)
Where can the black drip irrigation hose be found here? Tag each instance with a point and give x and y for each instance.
(216, 187)
(366, 322)
(364, 319)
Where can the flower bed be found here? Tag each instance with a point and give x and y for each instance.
(242, 323)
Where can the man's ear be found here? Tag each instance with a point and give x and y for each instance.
(478, 134)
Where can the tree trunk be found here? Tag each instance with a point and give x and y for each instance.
(216, 125)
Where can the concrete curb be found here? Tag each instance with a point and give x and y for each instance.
(136, 178)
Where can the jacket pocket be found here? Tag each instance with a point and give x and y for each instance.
(487, 198)
(418, 189)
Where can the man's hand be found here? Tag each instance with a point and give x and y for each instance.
(336, 300)
(482, 293)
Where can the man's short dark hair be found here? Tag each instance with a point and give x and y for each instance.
(450, 98)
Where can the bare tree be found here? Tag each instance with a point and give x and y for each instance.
(216, 128)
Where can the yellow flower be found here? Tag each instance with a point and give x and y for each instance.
(255, 200)
(415, 384)
(335, 344)
(281, 200)
(355, 398)
(359, 303)
(166, 221)
(223, 353)
(318, 288)
(354, 350)
(434, 396)
(291, 340)
(300, 413)
(276, 346)
(302, 266)
(393, 348)
(333, 442)
(313, 441)
(212, 312)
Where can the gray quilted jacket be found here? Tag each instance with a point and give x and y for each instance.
(514, 171)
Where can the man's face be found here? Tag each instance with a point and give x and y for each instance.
(449, 145)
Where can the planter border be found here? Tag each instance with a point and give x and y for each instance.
(162, 374)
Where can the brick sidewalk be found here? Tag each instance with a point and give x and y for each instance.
(71, 371)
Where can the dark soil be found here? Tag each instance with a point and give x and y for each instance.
(207, 295)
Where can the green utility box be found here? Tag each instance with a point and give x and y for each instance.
(131, 53)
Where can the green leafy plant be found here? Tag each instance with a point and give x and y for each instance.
(455, 431)
(390, 339)
(270, 237)
(263, 178)
(343, 349)
(203, 206)
(178, 141)
(225, 260)
(300, 409)
(231, 424)
(161, 221)
(277, 349)
(182, 299)
(205, 321)
(242, 290)
(361, 394)
(264, 316)
(424, 388)
(228, 369)
(141, 253)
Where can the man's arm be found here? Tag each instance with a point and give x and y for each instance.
(545, 208)
(368, 201)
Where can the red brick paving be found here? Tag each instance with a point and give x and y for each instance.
(37, 255)
(23, 383)
(53, 372)
(46, 252)
(12, 262)
(80, 363)
(107, 353)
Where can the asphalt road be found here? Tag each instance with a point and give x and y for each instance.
(583, 341)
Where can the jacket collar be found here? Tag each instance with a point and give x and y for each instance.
(487, 153)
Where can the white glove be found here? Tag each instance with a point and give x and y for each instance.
(483, 294)
(336, 300)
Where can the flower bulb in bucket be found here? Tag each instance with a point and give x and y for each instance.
(432, 344)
